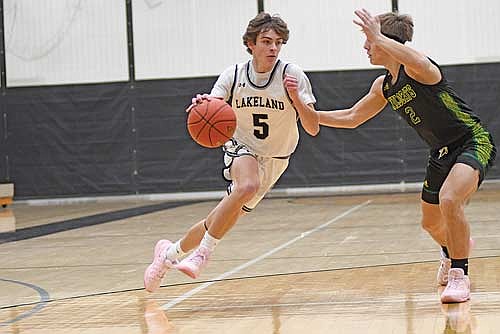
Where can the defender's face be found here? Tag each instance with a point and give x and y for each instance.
(266, 49)
(375, 54)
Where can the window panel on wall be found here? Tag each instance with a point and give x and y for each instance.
(188, 38)
(54, 42)
(322, 34)
(456, 31)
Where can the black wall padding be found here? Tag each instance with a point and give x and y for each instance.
(131, 138)
(69, 140)
(167, 159)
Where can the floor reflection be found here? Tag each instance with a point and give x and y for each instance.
(458, 318)
(7, 220)
(156, 319)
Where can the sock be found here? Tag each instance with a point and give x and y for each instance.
(461, 263)
(175, 251)
(209, 242)
(445, 251)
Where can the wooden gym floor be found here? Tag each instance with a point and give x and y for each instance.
(346, 264)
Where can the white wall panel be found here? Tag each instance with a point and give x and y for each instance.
(188, 38)
(456, 31)
(322, 34)
(53, 42)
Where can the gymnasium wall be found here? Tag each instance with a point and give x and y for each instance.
(114, 139)
(93, 100)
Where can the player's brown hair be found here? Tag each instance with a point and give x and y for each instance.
(264, 22)
(396, 26)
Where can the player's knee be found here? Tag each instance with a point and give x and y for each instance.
(246, 190)
(450, 205)
(431, 223)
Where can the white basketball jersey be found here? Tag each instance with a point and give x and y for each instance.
(266, 118)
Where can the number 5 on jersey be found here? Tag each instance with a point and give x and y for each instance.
(261, 130)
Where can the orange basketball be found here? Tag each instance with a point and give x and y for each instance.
(211, 123)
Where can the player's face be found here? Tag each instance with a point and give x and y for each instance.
(265, 50)
(375, 54)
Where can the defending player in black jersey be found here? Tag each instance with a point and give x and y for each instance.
(462, 150)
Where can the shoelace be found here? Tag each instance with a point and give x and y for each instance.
(198, 258)
(454, 283)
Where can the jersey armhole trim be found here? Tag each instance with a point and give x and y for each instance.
(230, 99)
(287, 95)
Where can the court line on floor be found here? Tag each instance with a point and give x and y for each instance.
(44, 298)
(106, 293)
(261, 257)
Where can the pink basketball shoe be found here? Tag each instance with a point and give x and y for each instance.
(195, 262)
(444, 268)
(458, 288)
(160, 265)
(445, 265)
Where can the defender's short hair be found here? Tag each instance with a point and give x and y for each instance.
(396, 26)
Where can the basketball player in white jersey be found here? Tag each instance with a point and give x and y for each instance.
(269, 97)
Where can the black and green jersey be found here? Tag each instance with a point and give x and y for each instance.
(436, 112)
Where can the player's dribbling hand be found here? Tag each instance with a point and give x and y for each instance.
(197, 100)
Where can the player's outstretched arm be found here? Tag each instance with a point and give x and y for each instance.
(417, 65)
(367, 107)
